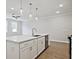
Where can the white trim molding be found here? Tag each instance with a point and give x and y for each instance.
(59, 41)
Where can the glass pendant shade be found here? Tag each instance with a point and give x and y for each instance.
(21, 11)
(30, 15)
(36, 18)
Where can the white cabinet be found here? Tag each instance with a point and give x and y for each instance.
(41, 44)
(12, 50)
(25, 53)
(26, 50)
(34, 49)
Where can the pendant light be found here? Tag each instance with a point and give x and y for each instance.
(36, 18)
(21, 9)
(30, 15)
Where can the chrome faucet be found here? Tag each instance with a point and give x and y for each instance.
(33, 31)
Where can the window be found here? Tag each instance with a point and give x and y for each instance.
(14, 26)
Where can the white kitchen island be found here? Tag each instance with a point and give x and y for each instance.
(25, 47)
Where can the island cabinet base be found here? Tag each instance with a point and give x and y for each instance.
(26, 50)
(12, 50)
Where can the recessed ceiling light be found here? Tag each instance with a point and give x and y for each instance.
(57, 12)
(60, 5)
(12, 8)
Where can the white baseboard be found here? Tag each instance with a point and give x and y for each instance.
(60, 41)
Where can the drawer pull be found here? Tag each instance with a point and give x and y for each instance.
(31, 48)
(25, 44)
(41, 42)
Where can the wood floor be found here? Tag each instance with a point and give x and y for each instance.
(56, 51)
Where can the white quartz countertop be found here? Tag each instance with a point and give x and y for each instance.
(23, 38)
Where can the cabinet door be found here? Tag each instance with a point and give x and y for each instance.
(26, 50)
(41, 44)
(25, 53)
(12, 50)
(34, 49)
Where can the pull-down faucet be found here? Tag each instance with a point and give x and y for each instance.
(33, 29)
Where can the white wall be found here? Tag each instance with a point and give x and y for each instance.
(61, 27)
(26, 28)
(58, 27)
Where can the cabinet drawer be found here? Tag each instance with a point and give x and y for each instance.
(35, 41)
(26, 44)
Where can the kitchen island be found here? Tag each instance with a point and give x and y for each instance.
(26, 46)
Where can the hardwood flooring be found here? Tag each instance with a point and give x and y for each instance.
(56, 51)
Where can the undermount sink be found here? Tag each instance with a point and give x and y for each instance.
(36, 35)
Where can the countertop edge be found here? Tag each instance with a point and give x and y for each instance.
(26, 40)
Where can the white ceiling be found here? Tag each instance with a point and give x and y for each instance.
(45, 7)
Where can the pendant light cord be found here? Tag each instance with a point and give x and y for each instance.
(20, 4)
(36, 11)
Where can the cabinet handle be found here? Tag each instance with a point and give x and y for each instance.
(31, 48)
(41, 42)
(23, 50)
(25, 44)
(12, 48)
